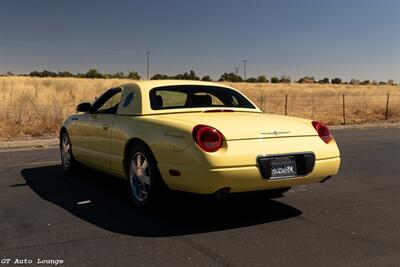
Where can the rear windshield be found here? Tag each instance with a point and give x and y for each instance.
(195, 96)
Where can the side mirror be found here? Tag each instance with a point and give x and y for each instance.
(83, 107)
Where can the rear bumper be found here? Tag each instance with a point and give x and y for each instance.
(239, 179)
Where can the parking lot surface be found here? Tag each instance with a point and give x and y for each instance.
(352, 219)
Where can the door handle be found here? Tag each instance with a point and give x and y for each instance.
(105, 126)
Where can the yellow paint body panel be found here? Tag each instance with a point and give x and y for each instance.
(168, 133)
(235, 165)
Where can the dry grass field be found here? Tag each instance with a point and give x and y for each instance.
(36, 107)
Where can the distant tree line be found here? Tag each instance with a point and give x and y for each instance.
(309, 79)
(91, 73)
(191, 75)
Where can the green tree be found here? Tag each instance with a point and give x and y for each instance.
(191, 75)
(307, 79)
(47, 73)
(206, 78)
(274, 80)
(285, 79)
(65, 74)
(251, 80)
(366, 82)
(336, 81)
(354, 82)
(118, 75)
(324, 81)
(93, 73)
(134, 75)
(34, 73)
(160, 77)
(262, 79)
(44, 73)
(230, 77)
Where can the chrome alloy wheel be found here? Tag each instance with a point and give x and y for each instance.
(139, 175)
(66, 152)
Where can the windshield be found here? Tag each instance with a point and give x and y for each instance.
(195, 96)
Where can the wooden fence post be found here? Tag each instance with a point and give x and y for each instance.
(285, 105)
(344, 111)
(387, 107)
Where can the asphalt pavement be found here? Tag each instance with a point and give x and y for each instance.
(352, 219)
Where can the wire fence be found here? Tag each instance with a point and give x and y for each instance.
(38, 118)
(348, 108)
(338, 109)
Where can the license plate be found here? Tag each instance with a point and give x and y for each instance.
(283, 167)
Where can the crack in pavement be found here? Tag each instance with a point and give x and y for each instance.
(357, 237)
(204, 250)
(55, 244)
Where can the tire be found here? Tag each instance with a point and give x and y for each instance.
(146, 186)
(68, 162)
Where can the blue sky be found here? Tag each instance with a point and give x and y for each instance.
(326, 38)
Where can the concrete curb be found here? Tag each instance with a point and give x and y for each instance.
(38, 143)
(364, 126)
(53, 142)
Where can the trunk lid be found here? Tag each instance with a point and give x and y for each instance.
(242, 125)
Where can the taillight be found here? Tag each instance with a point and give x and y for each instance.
(323, 132)
(207, 137)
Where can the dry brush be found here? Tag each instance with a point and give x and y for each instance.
(36, 107)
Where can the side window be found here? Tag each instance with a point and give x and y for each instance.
(110, 106)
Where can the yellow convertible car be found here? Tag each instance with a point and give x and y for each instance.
(193, 136)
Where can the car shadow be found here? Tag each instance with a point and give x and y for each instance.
(110, 207)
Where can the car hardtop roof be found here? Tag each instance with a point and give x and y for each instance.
(141, 105)
(148, 85)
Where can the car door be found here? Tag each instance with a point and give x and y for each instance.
(97, 129)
